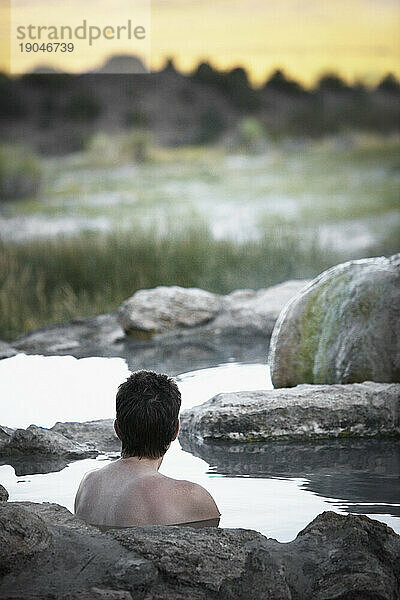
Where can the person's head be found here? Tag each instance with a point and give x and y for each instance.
(147, 422)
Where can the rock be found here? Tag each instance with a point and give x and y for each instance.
(98, 434)
(23, 537)
(346, 568)
(41, 441)
(77, 557)
(344, 327)
(164, 308)
(6, 351)
(301, 413)
(4, 495)
(257, 309)
(334, 557)
(40, 450)
(5, 435)
(172, 352)
(194, 561)
(358, 472)
(239, 332)
(76, 336)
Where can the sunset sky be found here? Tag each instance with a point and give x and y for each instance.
(360, 39)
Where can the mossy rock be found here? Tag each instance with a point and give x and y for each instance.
(344, 327)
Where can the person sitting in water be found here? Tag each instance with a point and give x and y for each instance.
(131, 491)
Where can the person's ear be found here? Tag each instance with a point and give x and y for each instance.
(117, 430)
(176, 432)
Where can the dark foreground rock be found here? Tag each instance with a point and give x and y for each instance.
(239, 329)
(305, 412)
(344, 327)
(48, 553)
(361, 474)
(3, 494)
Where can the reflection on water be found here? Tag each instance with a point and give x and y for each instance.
(275, 488)
(360, 476)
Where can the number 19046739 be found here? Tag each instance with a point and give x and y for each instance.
(49, 47)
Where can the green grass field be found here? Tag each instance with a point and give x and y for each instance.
(192, 217)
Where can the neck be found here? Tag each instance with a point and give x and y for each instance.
(142, 464)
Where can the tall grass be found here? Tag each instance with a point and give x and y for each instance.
(46, 281)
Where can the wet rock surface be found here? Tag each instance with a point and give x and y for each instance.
(344, 327)
(305, 412)
(239, 330)
(172, 352)
(59, 557)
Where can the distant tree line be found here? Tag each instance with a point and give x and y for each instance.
(62, 111)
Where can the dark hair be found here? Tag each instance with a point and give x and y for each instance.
(148, 406)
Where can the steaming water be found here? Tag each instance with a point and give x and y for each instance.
(273, 488)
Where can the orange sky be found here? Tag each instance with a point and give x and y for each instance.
(360, 39)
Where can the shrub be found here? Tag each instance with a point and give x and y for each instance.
(11, 102)
(135, 146)
(211, 126)
(106, 149)
(280, 83)
(82, 107)
(136, 118)
(20, 172)
(251, 134)
(330, 82)
(389, 84)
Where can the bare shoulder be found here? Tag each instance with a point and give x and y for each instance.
(87, 480)
(198, 500)
(89, 477)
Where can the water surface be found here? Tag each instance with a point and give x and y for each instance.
(275, 488)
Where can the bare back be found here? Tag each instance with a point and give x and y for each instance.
(130, 492)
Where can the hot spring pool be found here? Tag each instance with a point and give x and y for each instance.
(274, 488)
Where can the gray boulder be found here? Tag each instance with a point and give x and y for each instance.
(23, 538)
(100, 434)
(6, 350)
(40, 450)
(256, 310)
(344, 327)
(164, 309)
(41, 441)
(4, 495)
(51, 553)
(302, 413)
(5, 434)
